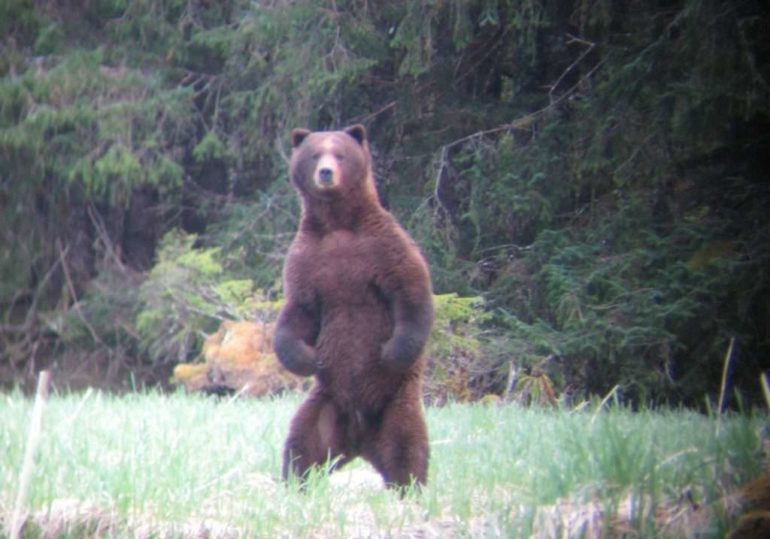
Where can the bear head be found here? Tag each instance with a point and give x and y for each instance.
(328, 165)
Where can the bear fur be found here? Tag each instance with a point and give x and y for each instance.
(357, 316)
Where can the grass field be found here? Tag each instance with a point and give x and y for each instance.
(153, 465)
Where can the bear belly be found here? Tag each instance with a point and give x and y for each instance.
(351, 354)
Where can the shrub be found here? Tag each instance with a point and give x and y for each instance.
(187, 295)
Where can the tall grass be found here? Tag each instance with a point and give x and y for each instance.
(153, 465)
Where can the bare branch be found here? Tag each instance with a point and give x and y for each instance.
(589, 47)
(73, 294)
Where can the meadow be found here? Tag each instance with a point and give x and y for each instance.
(177, 465)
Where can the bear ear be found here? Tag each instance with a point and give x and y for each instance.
(297, 136)
(358, 132)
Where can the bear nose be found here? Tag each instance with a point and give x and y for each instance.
(325, 175)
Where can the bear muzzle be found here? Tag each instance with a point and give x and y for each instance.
(325, 177)
(327, 173)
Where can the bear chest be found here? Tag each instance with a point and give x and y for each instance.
(345, 270)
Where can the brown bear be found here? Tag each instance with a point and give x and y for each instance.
(357, 316)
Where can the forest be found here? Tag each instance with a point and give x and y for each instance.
(587, 179)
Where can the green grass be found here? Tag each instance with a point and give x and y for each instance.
(173, 465)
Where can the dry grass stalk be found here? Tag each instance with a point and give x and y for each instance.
(33, 438)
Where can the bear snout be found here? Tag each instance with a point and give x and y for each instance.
(327, 173)
(325, 176)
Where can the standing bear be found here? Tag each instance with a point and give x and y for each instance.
(357, 316)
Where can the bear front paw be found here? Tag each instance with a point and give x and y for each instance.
(399, 354)
(298, 357)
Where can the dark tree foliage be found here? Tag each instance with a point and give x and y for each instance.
(595, 170)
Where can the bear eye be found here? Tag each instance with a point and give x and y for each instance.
(316, 156)
(339, 157)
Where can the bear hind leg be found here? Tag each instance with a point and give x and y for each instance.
(316, 439)
(400, 449)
